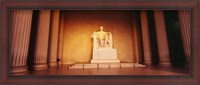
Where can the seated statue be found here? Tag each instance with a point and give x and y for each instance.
(103, 51)
(102, 39)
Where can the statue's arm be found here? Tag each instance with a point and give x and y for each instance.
(93, 34)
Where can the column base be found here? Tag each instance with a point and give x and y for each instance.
(188, 65)
(147, 62)
(19, 70)
(40, 66)
(51, 64)
(164, 63)
(139, 65)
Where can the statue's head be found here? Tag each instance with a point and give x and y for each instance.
(101, 28)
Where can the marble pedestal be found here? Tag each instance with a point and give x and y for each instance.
(105, 55)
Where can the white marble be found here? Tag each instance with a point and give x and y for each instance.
(114, 65)
(90, 66)
(102, 39)
(103, 66)
(105, 55)
(127, 65)
(103, 51)
(106, 65)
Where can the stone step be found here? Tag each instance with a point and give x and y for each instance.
(77, 66)
(105, 65)
(139, 65)
(127, 64)
(90, 66)
(115, 65)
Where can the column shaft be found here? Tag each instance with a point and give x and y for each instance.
(136, 36)
(185, 28)
(42, 38)
(54, 38)
(19, 40)
(61, 30)
(162, 41)
(145, 37)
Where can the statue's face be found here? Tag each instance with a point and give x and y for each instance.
(101, 28)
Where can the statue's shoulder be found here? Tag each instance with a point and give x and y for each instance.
(109, 33)
(98, 32)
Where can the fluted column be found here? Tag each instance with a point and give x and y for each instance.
(42, 37)
(135, 39)
(53, 48)
(162, 41)
(19, 40)
(185, 28)
(145, 37)
(60, 41)
(136, 36)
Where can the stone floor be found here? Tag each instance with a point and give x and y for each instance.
(144, 71)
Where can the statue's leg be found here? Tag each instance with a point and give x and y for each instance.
(110, 44)
(97, 44)
(106, 42)
(101, 42)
